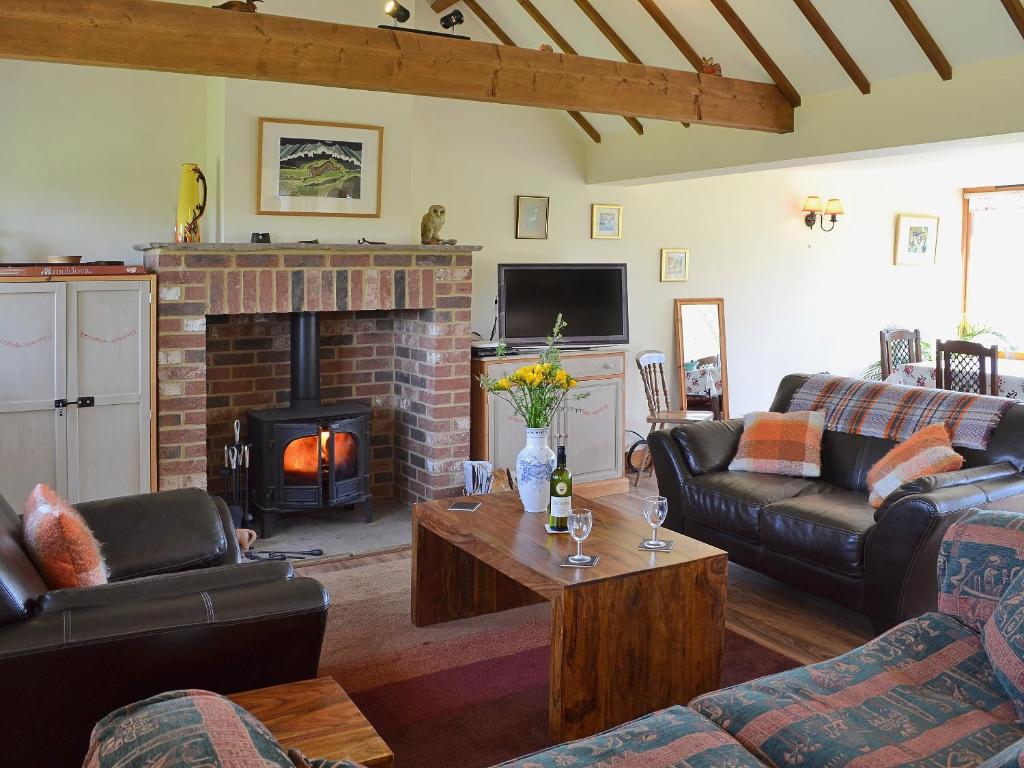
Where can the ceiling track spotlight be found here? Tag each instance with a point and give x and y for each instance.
(401, 14)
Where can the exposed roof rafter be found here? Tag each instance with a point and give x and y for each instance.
(567, 47)
(828, 37)
(924, 38)
(754, 46)
(673, 33)
(1016, 10)
(488, 21)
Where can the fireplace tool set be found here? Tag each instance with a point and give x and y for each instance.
(237, 459)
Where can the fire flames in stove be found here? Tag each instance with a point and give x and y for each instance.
(307, 460)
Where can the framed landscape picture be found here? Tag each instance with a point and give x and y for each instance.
(532, 217)
(675, 265)
(605, 222)
(319, 169)
(916, 238)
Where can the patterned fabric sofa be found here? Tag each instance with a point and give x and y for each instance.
(923, 694)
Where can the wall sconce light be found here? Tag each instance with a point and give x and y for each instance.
(816, 214)
(397, 11)
(452, 20)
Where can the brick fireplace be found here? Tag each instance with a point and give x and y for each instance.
(396, 335)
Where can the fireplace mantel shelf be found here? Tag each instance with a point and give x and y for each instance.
(305, 247)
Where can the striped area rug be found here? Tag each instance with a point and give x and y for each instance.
(472, 692)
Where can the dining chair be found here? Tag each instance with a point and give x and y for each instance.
(651, 363)
(900, 346)
(961, 366)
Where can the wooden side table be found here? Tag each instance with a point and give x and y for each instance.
(319, 719)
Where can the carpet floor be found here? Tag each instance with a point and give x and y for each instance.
(475, 689)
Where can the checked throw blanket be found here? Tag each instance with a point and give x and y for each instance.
(893, 411)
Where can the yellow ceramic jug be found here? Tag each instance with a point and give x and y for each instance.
(191, 205)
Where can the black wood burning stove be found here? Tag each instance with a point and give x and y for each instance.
(309, 456)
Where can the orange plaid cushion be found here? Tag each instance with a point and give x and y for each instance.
(926, 452)
(781, 443)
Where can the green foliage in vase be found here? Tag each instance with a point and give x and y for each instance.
(536, 391)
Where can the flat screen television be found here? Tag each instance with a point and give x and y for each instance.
(591, 297)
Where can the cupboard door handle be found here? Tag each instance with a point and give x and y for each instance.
(82, 402)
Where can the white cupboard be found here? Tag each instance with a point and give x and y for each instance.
(76, 389)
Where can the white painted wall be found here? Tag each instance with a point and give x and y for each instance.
(90, 158)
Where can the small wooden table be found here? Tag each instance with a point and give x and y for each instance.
(638, 632)
(319, 719)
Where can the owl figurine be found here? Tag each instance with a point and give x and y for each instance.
(431, 226)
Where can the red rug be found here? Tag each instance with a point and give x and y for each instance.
(494, 710)
(470, 693)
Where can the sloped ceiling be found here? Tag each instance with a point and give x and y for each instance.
(966, 31)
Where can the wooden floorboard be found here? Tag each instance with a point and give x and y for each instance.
(804, 627)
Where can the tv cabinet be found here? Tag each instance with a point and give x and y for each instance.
(592, 429)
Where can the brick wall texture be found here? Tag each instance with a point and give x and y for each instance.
(395, 332)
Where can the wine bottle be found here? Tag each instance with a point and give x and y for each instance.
(561, 495)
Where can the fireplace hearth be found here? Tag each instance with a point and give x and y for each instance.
(309, 456)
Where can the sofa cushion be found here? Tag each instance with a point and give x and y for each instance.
(928, 451)
(979, 556)
(60, 542)
(708, 446)
(1003, 638)
(846, 459)
(781, 443)
(732, 501)
(827, 529)
(921, 694)
(672, 737)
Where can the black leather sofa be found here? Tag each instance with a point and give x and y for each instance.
(821, 534)
(181, 611)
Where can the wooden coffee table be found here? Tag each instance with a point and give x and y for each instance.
(638, 632)
(317, 718)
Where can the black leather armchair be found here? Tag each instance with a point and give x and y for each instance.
(821, 534)
(181, 611)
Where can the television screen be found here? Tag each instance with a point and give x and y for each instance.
(591, 298)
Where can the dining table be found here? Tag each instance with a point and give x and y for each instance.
(1009, 372)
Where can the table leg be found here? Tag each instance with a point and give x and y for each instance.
(622, 648)
(448, 583)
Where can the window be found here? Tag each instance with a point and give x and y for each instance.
(994, 261)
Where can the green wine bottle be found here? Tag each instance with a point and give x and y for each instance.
(561, 495)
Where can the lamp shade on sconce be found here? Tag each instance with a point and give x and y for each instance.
(397, 11)
(834, 207)
(812, 204)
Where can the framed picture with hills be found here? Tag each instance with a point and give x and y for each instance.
(310, 168)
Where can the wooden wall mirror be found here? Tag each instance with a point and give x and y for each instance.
(700, 354)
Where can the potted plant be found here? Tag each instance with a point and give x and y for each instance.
(535, 392)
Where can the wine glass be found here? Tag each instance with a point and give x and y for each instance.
(655, 512)
(581, 521)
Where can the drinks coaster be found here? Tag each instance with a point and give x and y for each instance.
(591, 562)
(551, 530)
(646, 547)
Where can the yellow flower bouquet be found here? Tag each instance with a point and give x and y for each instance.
(536, 391)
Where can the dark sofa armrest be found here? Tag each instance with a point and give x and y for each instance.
(931, 483)
(164, 532)
(103, 657)
(688, 450)
(903, 546)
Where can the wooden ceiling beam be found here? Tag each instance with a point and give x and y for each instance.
(440, 6)
(924, 38)
(613, 37)
(488, 21)
(672, 33)
(566, 47)
(754, 46)
(831, 42)
(170, 37)
(1016, 10)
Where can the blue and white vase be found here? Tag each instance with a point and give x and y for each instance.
(534, 466)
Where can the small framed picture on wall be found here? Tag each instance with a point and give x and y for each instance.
(532, 217)
(916, 239)
(675, 265)
(605, 222)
